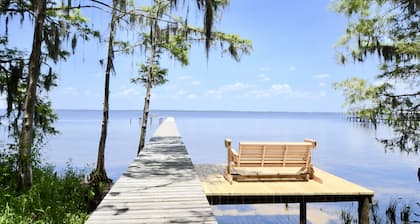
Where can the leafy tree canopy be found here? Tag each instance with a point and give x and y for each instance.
(390, 30)
(25, 80)
(63, 23)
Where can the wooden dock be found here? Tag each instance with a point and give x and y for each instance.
(163, 186)
(160, 186)
(324, 188)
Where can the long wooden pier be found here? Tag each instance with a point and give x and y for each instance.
(160, 186)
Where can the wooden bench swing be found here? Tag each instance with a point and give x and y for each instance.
(270, 161)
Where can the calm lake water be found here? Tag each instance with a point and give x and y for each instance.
(345, 149)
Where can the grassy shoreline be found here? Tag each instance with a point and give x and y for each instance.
(53, 198)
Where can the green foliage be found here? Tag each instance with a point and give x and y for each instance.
(158, 76)
(9, 216)
(62, 22)
(13, 76)
(391, 212)
(29, 114)
(236, 45)
(405, 214)
(175, 35)
(376, 217)
(211, 10)
(347, 217)
(52, 198)
(389, 30)
(178, 48)
(397, 208)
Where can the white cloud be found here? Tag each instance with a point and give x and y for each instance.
(88, 93)
(189, 81)
(195, 83)
(181, 92)
(185, 77)
(75, 92)
(170, 87)
(285, 90)
(261, 93)
(99, 74)
(321, 76)
(211, 92)
(67, 91)
(292, 68)
(281, 88)
(192, 96)
(230, 88)
(127, 92)
(236, 87)
(265, 69)
(154, 95)
(275, 89)
(263, 77)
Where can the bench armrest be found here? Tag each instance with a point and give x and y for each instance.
(234, 155)
(313, 142)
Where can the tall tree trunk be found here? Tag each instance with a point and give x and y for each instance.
(150, 71)
(145, 111)
(99, 175)
(26, 137)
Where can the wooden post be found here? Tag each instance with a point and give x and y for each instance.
(364, 210)
(302, 208)
(228, 145)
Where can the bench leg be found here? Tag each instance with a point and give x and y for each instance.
(311, 173)
(302, 216)
(228, 176)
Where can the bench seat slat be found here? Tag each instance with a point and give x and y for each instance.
(261, 171)
(271, 159)
(279, 162)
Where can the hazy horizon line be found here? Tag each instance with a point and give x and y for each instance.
(192, 110)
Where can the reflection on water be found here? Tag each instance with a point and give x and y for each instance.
(271, 213)
(344, 148)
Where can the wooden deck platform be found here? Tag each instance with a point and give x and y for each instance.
(163, 186)
(160, 186)
(324, 188)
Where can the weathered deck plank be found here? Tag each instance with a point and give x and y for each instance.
(324, 188)
(160, 186)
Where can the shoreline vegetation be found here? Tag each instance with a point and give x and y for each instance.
(67, 197)
(31, 191)
(53, 197)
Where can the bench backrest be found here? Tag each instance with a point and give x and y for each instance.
(275, 154)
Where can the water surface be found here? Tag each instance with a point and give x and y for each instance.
(345, 149)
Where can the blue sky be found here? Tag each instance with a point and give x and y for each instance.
(291, 68)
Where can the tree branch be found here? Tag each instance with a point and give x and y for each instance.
(73, 7)
(3, 61)
(132, 13)
(402, 95)
(2, 68)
